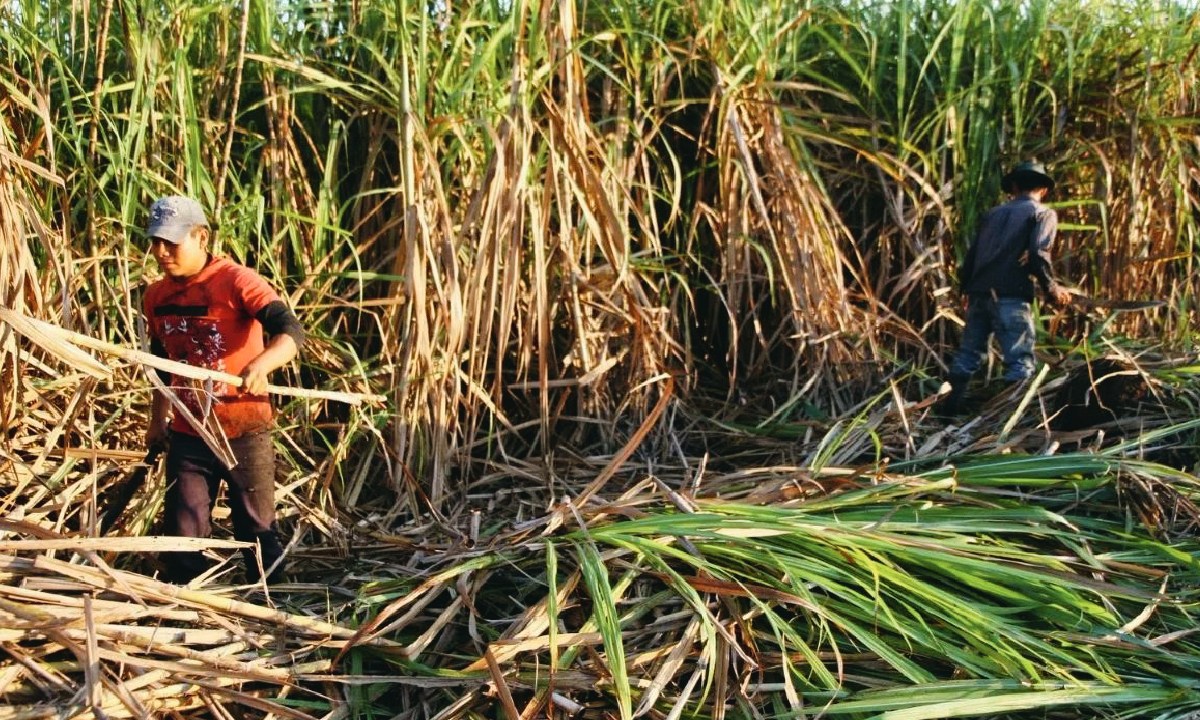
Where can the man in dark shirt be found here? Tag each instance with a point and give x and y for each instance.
(1010, 254)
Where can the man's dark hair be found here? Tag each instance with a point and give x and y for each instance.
(1027, 183)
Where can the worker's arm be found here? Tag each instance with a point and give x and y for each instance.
(286, 336)
(279, 351)
(1045, 229)
(160, 419)
(160, 404)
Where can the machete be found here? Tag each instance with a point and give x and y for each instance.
(117, 499)
(1087, 302)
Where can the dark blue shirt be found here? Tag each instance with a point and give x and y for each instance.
(1020, 228)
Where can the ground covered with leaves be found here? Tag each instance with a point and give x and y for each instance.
(891, 563)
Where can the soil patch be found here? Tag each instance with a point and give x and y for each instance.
(1100, 392)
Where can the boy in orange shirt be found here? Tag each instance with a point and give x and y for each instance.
(213, 313)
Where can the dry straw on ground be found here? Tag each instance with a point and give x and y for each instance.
(89, 632)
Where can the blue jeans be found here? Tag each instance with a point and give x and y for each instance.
(1011, 321)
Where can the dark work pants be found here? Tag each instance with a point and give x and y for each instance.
(194, 476)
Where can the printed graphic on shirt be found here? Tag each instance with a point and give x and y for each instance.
(191, 337)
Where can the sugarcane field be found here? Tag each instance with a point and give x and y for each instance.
(555, 359)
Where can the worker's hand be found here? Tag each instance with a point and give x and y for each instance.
(1060, 296)
(254, 378)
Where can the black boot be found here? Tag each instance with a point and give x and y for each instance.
(270, 555)
(952, 404)
(182, 567)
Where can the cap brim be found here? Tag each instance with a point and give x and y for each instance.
(173, 233)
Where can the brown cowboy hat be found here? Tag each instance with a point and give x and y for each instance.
(1026, 171)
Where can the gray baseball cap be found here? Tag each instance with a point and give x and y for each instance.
(173, 217)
